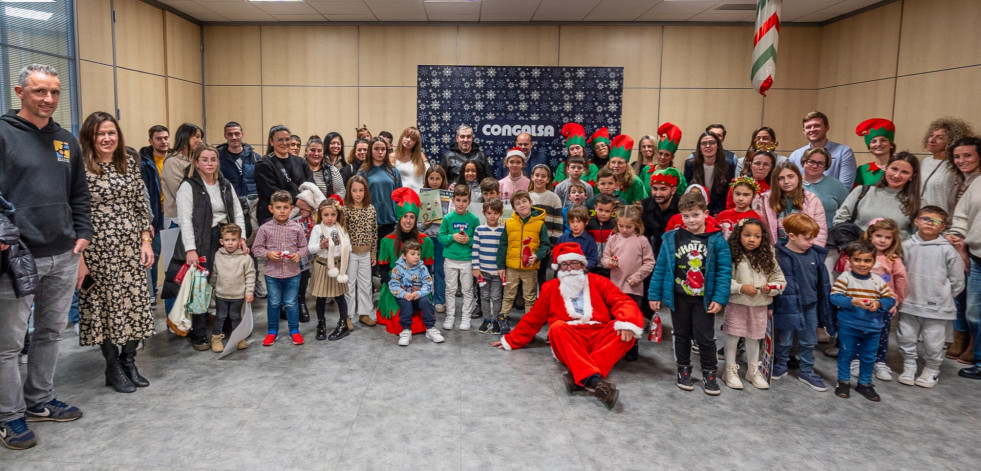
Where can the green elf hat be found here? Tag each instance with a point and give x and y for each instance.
(575, 135)
(669, 176)
(406, 201)
(670, 137)
(872, 128)
(601, 135)
(621, 147)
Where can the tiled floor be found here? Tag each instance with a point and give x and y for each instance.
(365, 403)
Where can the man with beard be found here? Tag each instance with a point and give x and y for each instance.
(592, 324)
(464, 148)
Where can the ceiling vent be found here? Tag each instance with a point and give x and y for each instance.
(738, 7)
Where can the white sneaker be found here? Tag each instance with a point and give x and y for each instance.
(928, 378)
(440, 308)
(405, 337)
(908, 375)
(854, 368)
(76, 329)
(883, 372)
(433, 334)
(465, 323)
(448, 323)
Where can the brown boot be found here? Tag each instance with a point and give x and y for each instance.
(216, 345)
(366, 320)
(967, 357)
(961, 339)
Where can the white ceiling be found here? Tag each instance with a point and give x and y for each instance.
(506, 10)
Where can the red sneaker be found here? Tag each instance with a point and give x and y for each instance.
(297, 338)
(269, 340)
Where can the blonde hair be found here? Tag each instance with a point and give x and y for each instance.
(630, 213)
(418, 160)
(336, 206)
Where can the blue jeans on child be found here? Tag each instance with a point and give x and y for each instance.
(282, 292)
(852, 341)
(407, 308)
(972, 309)
(806, 339)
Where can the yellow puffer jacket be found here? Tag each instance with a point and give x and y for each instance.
(517, 231)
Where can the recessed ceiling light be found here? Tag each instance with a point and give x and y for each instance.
(450, 1)
(27, 14)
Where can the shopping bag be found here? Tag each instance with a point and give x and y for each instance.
(177, 320)
(199, 295)
(240, 333)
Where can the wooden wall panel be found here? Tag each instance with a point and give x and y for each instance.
(302, 109)
(848, 105)
(140, 37)
(242, 104)
(509, 45)
(183, 48)
(860, 48)
(389, 55)
(386, 108)
(707, 56)
(693, 110)
(94, 18)
(232, 55)
(305, 55)
(939, 34)
(915, 109)
(95, 87)
(142, 102)
(184, 106)
(635, 48)
(783, 111)
(797, 65)
(639, 113)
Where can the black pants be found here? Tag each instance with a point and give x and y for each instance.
(690, 320)
(322, 307)
(227, 308)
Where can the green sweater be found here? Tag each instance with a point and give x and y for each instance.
(452, 224)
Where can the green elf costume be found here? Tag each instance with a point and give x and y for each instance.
(870, 173)
(575, 135)
(669, 136)
(636, 191)
(406, 202)
(601, 135)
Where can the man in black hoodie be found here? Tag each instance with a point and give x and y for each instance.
(43, 175)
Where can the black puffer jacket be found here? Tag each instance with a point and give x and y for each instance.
(453, 159)
(17, 259)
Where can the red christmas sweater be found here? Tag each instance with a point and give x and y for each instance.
(730, 217)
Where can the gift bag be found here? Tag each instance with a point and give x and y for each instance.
(240, 333)
(177, 320)
(199, 295)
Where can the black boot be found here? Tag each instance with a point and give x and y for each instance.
(301, 297)
(321, 329)
(304, 313)
(115, 376)
(634, 353)
(127, 360)
(340, 331)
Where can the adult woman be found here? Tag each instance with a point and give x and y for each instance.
(383, 179)
(357, 157)
(405, 203)
(896, 196)
(709, 169)
(334, 151)
(938, 171)
(785, 197)
(205, 202)
(280, 169)
(629, 186)
(600, 143)
(763, 138)
(879, 135)
(965, 154)
(409, 159)
(760, 167)
(325, 175)
(829, 190)
(295, 144)
(647, 163)
(116, 310)
(186, 138)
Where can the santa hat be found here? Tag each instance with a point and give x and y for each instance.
(601, 135)
(669, 176)
(575, 135)
(872, 128)
(670, 137)
(701, 189)
(311, 195)
(566, 252)
(621, 147)
(406, 201)
(514, 152)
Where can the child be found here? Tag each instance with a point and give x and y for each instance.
(471, 175)
(411, 285)
(804, 300)
(575, 146)
(362, 228)
(756, 279)
(233, 275)
(692, 278)
(486, 240)
(312, 196)
(490, 189)
(456, 236)
(435, 178)
(606, 184)
(863, 299)
(515, 180)
(743, 190)
(601, 226)
(630, 259)
(331, 245)
(929, 303)
(282, 243)
(578, 217)
(542, 197)
(577, 197)
(884, 236)
(576, 165)
(523, 244)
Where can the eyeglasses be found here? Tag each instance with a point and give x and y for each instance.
(762, 163)
(708, 144)
(930, 220)
(572, 265)
(814, 163)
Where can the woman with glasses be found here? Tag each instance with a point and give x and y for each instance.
(709, 168)
(760, 167)
(830, 191)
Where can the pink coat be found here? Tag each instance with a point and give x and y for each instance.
(812, 207)
(635, 260)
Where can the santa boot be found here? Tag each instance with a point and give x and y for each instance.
(961, 339)
(754, 377)
(731, 376)
(967, 357)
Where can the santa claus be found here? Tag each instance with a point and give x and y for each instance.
(591, 323)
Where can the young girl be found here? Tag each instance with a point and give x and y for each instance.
(330, 244)
(787, 196)
(544, 198)
(362, 228)
(629, 257)
(471, 174)
(436, 178)
(515, 180)
(742, 190)
(756, 279)
(884, 235)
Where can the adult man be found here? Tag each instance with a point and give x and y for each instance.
(151, 164)
(523, 142)
(463, 149)
(592, 324)
(843, 163)
(238, 160)
(44, 177)
(656, 210)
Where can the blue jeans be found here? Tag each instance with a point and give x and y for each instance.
(73, 311)
(806, 340)
(972, 310)
(407, 308)
(852, 342)
(439, 278)
(282, 292)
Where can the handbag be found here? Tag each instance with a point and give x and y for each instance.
(846, 232)
(199, 294)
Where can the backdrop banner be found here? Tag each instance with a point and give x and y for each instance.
(502, 102)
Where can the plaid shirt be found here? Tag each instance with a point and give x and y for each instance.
(276, 236)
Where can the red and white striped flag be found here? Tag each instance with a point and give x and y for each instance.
(765, 44)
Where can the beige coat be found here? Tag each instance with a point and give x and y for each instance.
(743, 274)
(233, 275)
(174, 168)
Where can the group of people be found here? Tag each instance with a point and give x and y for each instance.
(830, 251)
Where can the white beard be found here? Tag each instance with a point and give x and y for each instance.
(572, 283)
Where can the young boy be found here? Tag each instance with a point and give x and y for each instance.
(692, 277)
(929, 303)
(804, 300)
(863, 300)
(456, 236)
(282, 243)
(578, 219)
(490, 188)
(601, 226)
(524, 243)
(411, 284)
(606, 184)
(576, 165)
(486, 240)
(515, 180)
(233, 275)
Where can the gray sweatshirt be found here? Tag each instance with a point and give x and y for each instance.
(931, 289)
(967, 218)
(877, 203)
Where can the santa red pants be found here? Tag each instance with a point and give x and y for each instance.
(587, 349)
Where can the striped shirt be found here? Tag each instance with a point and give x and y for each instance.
(486, 240)
(848, 287)
(275, 236)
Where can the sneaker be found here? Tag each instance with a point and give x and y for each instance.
(15, 434)
(496, 328)
(843, 390)
(813, 381)
(53, 411)
(684, 378)
(448, 323)
(854, 369)
(465, 323)
(505, 325)
(476, 314)
(405, 337)
(908, 376)
(868, 391)
(260, 291)
(883, 372)
(242, 345)
(928, 378)
(779, 371)
(269, 340)
(710, 384)
(433, 334)
(440, 308)
(77, 330)
(973, 372)
(296, 338)
(694, 348)
(485, 327)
